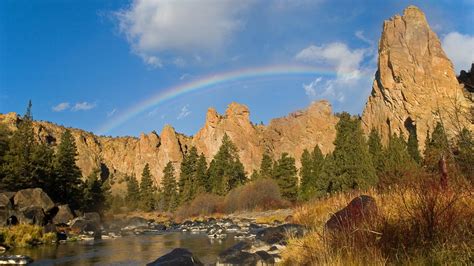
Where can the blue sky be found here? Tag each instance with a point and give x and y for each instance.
(85, 63)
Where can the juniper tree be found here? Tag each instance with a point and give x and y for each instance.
(398, 164)
(285, 173)
(465, 153)
(436, 147)
(95, 193)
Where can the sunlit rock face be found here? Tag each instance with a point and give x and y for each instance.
(415, 84)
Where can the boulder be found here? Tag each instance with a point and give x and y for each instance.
(177, 257)
(360, 210)
(64, 215)
(32, 215)
(279, 234)
(6, 200)
(93, 217)
(32, 197)
(82, 225)
(136, 222)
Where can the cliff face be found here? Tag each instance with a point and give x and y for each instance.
(128, 155)
(415, 84)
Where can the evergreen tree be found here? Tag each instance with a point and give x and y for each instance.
(147, 190)
(326, 182)
(4, 144)
(306, 175)
(465, 153)
(398, 163)
(133, 193)
(67, 184)
(95, 193)
(285, 175)
(187, 177)
(202, 184)
(353, 166)
(413, 148)
(436, 147)
(18, 162)
(226, 171)
(169, 192)
(266, 166)
(376, 151)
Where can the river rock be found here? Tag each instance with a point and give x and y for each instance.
(135, 223)
(360, 210)
(177, 257)
(279, 234)
(64, 215)
(32, 197)
(15, 259)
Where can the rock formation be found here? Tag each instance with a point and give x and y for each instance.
(415, 84)
(121, 156)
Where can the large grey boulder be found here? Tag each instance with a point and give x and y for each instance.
(31, 215)
(279, 234)
(64, 215)
(177, 257)
(6, 207)
(32, 197)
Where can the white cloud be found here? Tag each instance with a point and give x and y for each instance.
(360, 35)
(112, 112)
(83, 106)
(151, 60)
(352, 79)
(310, 88)
(153, 27)
(184, 112)
(336, 55)
(61, 107)
(460, 49)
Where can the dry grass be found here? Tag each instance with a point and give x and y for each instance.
(24, 235)
(422, 223)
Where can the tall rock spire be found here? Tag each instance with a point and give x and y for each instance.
(415, 84)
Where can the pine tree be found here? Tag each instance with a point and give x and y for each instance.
(147, 190)
(465, 153)
(412, 145)
(325, 184)
(202, 180)
(226, 171)
(67, 185)
(353, 166)
(285, 175)
(19, 164)
(187, 177)
(376, 151)
(436, 147)
(306, 175)
(169, 192)
(398, 163)
(133, 193)
(4, 144)
(266, 166)
(95, 193)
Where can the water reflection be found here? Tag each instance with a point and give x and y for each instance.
(131, 250)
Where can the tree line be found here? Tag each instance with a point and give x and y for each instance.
(28, 163)
(356, 162)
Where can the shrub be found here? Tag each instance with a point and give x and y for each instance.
(261, 194)
(203, 204)
(24, 235)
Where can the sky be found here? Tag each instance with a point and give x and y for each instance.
(116, 67)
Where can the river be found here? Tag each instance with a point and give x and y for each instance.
(128, 250)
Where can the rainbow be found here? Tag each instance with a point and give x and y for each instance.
(208, 82)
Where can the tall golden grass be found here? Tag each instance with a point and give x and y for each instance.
(24, 235)
(417, 223)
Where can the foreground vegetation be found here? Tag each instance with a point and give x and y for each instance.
(24, 235)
